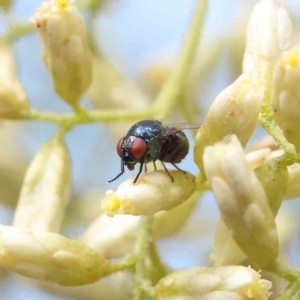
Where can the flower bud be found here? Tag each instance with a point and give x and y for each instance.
(49, 256)
(286, 93)
(265, 142)
(46, 189)
(270, 32)
(256, 158)
(222, 283)
(115, 237)
(242, 201)
(226, 252)
(274, 179)
(13, 99)
(234, 111)
(152, 193)
(66, 51)
(293, 186)
(5, 3)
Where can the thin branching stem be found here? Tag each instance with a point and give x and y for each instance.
(144, 238)
(176, 83)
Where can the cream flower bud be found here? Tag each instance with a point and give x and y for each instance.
(265, 142)
(234, 111)
(66, 51)
(226, 252)
(270, 32)
(256, 158)
(5, 3)
(46, 189)
(12, 96)
(115, 237)
(49, 256)
(274, 179)
(222, 283)
(286, 95)
(293, 186)
(152, 193)
(242, 201)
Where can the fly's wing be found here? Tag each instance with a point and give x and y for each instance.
(171, 129)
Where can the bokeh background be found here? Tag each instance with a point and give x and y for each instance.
(142, 39)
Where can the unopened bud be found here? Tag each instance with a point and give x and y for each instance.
(293, 186)
(265, 142)
(222, 283)
(5, 3)
(153, 192)
(234, 111)
(286, 95)
(270, 32)
(115, 237)
(66, 51)
(13, 99)
(49, 256)
(274, 178)
(242, 200)
(226, 252)
(256, 158)
(46, 189)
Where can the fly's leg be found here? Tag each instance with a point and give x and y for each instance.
(122, 172)
(167, 171)
(178, 168)
(139, 173)
(154, 164)
(145, 168)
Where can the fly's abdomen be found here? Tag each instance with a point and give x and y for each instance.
(175, 148)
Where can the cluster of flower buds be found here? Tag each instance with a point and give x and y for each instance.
(13, 100)
(236, 109)
(222, 283)
(66, 51)
(242, 200)
(46, 189)
(153, 192)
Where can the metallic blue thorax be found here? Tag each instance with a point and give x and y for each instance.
(148, 130)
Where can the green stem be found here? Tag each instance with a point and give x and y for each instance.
(159, 269)
(175, 84)
(18, 30)
(291, 292)
(267, 121)
(126, 263)
(143, 241)
(287, 273)
(109, 115)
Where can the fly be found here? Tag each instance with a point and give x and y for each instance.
(149, 141)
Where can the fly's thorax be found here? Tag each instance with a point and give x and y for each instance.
(149, 131)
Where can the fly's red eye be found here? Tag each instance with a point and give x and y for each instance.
(119, 147)
(138, 148)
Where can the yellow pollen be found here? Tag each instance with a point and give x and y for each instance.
(62, 4)
(293, 59)
(112, 204)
